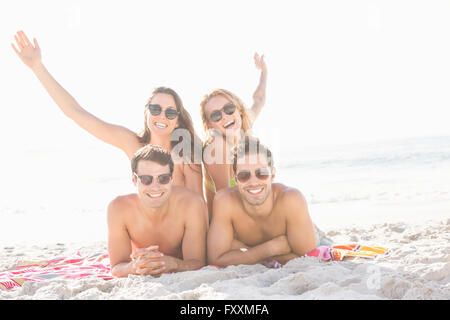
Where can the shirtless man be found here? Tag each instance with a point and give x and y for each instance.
(258, 220)
(159, 229)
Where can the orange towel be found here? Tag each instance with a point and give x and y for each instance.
(339, 252)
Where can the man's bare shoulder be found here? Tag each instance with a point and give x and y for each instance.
(124, 200)
(120, 203)
(184, 196)
(291, 203)
(227, 194)
(288, 196)
(227, 197)
(188, 204)
(226, 202)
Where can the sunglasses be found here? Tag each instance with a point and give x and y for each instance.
(147, 180)
(155, 110)
(216, 116)
(261, 174)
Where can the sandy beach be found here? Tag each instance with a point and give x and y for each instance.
(417, 267)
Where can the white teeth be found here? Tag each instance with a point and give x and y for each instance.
(155, 195)
(229, 124)
(255, 191)
(160, 125)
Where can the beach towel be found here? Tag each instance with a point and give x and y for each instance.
(97, 265)
(337, 253)
(77, 267)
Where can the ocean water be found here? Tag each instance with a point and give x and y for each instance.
(56, 194)
(374, 182)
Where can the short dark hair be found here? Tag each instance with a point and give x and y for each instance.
(152, 153)
(250, 145)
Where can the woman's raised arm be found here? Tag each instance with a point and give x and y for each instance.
(116, 135)
(259, 96)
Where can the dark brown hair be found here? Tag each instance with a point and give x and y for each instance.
(152, 153)
(250, 145)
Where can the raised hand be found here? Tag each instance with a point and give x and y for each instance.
(259, 96)
(30, 54)
(259, 62)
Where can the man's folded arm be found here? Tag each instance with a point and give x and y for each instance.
(220, 239)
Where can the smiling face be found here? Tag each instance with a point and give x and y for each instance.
(156, 194)
(254, 191)
(231, 123)
(159, 124)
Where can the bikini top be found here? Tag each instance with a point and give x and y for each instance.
(211, 186)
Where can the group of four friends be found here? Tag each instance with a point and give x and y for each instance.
(223, 209)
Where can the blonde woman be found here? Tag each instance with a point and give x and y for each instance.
(226, 120)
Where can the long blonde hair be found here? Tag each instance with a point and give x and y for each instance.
(245, 116)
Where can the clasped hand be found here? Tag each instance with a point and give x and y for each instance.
(150, 261)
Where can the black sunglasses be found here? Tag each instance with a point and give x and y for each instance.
(261, 174)
(216, 116)
(147, 180)
(155, 110)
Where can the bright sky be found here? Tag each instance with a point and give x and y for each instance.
(339, 71)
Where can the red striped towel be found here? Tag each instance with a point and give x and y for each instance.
(77, 267)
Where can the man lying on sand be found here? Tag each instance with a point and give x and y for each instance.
(258, 220)
(159, 229)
